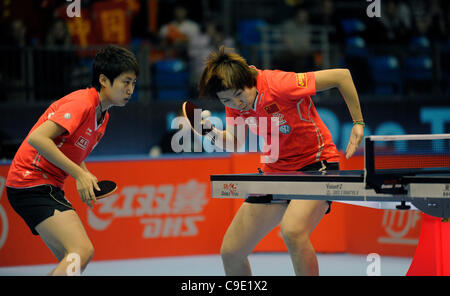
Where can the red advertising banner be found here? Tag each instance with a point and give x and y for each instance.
(106, 22)
(163, 207)
(389, 232)
(113, 22)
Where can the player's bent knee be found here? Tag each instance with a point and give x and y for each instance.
(294, 233)
(226, 253)
(230, 254)
(85, 252)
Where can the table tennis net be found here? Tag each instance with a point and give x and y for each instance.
(410, 152)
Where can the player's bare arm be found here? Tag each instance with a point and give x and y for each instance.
(42, 140)
(84, 167)
(342, 80)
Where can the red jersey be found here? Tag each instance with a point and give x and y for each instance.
(75, 112)
(303, 137)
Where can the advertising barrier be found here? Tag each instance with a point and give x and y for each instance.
(163, 207)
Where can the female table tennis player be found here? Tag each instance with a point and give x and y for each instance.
(56, 147)
(304, 144)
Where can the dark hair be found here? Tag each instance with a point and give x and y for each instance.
(225, 70)
(112, 61)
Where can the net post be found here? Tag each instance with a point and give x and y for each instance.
(369, 162)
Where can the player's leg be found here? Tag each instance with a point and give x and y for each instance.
(252, 222)
(64, 234)
(299, 220)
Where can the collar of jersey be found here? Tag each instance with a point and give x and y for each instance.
(255, 103)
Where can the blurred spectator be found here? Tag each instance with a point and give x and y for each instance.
(298, 53)
(54, 62)
(18, 34)
(418, 8)
(176, 34)
(432, 22)
(12, 60)
(14, 33)
(393, 27)
(58, 34)
(211, 37)
(396, 21)
(327, 16)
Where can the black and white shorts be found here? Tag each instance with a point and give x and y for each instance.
(35, 204)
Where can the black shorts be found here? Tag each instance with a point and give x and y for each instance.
(316, 166)
(35, 204)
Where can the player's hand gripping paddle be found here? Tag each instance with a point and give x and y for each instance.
(106, 189)
(194, 118)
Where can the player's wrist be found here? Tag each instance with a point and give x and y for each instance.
(359, 122)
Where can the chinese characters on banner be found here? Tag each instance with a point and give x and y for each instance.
(106, 22)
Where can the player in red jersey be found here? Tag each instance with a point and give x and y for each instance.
(305, 144)
(57, 146)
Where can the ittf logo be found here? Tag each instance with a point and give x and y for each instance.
(82, 143)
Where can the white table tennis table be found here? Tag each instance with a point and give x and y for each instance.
(425, 189)
(428, 192)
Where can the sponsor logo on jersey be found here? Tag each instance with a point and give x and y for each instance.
(82, 143)
(301, 80)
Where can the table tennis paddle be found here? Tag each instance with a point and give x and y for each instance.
(106, 189)
(195, 121)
